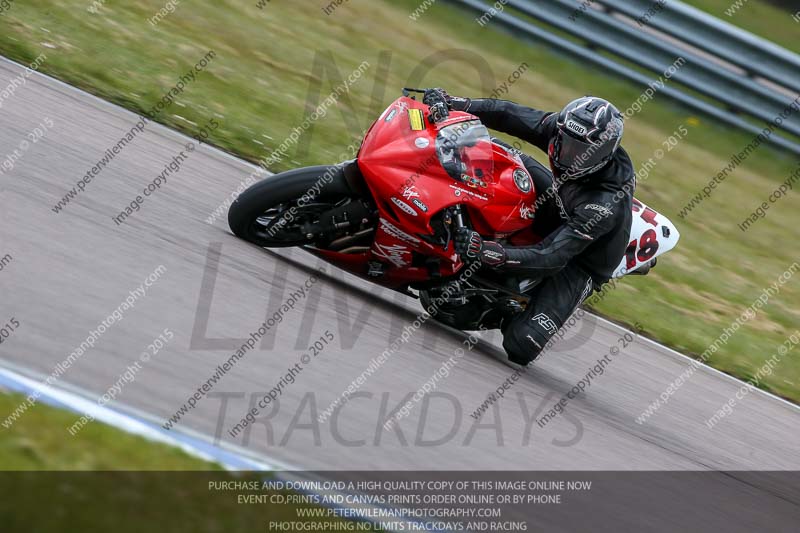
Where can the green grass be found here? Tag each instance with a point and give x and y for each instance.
(39, 441)
(104, 479)
(759, 17)
(256, 89)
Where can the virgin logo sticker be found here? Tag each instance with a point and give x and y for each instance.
(394, 253)
(410, 192)
(526, 212)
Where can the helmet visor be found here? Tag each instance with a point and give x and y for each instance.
(573, 155)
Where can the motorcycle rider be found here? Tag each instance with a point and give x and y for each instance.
(584, 204)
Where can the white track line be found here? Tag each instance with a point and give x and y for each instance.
(82, 403)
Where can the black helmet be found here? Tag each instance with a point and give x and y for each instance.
(589, 132)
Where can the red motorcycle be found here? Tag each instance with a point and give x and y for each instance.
(389, 216)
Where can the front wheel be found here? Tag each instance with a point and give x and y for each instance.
(307, 206)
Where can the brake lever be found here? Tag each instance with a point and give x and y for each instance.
(452, 217)
(448, 221)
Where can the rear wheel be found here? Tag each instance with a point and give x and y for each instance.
(306, 206)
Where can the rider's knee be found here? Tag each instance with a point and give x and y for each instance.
(522, 344)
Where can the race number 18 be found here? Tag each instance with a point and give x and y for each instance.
(644, 249)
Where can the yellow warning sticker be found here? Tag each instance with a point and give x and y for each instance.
(416, 120)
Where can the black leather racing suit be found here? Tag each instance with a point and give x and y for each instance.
(582, 251)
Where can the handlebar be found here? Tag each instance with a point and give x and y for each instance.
(408, 90)
(438, 111)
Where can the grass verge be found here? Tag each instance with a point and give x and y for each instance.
(39, 441)
(104, 479)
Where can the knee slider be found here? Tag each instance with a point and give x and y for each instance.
(523, 345)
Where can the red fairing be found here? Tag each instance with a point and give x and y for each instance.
(410, 184)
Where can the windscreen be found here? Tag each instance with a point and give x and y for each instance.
(465, 151)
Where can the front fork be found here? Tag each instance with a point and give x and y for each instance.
(454, 218)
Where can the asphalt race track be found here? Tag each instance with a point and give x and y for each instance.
(70, 270)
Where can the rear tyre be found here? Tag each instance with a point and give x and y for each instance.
(471, 315)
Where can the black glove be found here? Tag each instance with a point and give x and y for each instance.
(471, 247)
(437, 95)
(438, 112)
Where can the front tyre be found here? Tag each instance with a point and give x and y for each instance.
(305, 206)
